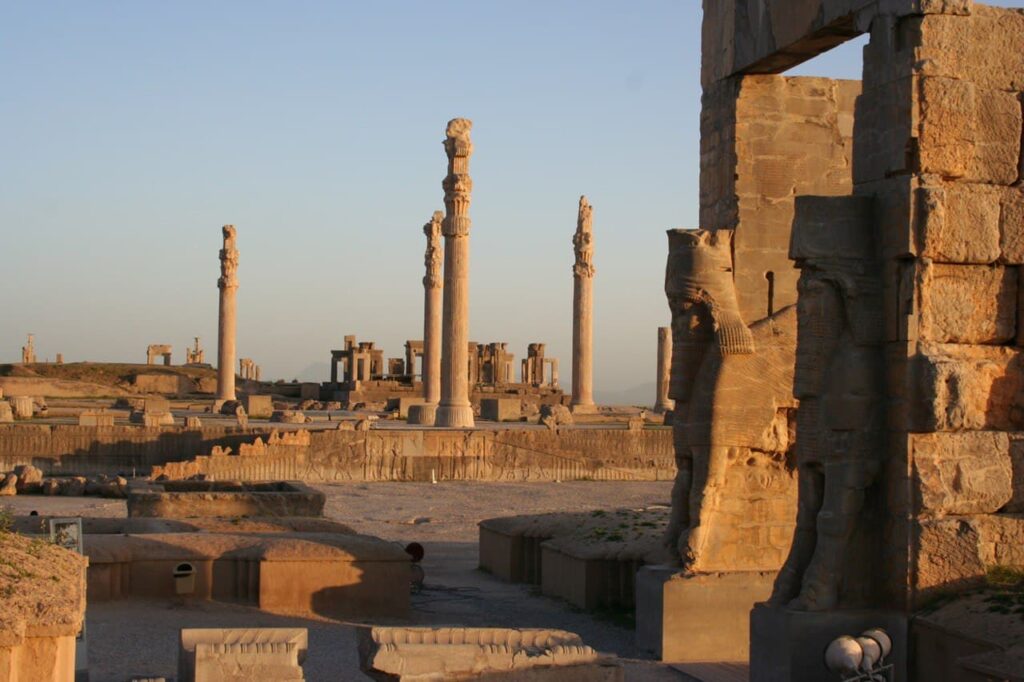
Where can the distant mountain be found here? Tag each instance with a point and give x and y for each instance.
(316, 372)
(641, 396)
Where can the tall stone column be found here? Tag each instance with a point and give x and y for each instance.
(663, 403)
(455, 408)
(583, 312)
(228, 285)
(426, 414)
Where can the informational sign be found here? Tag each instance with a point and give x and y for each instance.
(67, 533)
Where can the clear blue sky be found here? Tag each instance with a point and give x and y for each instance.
(133, 130)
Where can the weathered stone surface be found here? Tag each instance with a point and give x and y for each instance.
(22, 406)
(1016, 503)
(97, 419)
(555, 415)
(241, 654)
(966, 387)
(501, 409)
(962, 473)
(258, 406)
(959, 223)
(969, 132)
(6, 413)
(30, 478)
(417, 653)
(967, 304)
(955, 552)
(961, 387)
(9, 486)
(792, 137)
(983, 49)
(182, 499)
(1011, 226)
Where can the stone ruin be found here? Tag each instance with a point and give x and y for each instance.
(880, 412)
(158, 351)
(195, 355)
(248, 370)
(28, 351)
(454, 653)
(242, 654)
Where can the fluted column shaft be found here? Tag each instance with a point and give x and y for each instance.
(583, 312)
(228, 285)
(432, 302)
(455, 408)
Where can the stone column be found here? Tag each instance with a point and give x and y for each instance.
(662, 402)
(583, 312)
(228, 285)
(455, 408)
(432, 289)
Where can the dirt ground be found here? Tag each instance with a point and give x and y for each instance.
(135, 638)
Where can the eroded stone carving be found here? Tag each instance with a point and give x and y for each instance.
(731, 426)
(839, 382)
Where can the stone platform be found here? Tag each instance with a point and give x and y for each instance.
(698, 618)
(289, 573)
(183, 499)
(587, 558)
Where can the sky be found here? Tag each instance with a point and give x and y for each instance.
(134, 130)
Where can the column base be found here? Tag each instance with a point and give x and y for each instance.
(697, 618)
(458, 416)
(422, 415)
(582, 408)
(790, 645)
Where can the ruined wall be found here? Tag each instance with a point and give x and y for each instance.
(419, 455)
(107, 449)
(764, 141)
(376, 455)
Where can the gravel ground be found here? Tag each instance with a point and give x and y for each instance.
(138, 637)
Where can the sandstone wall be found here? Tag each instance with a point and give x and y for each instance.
(938, 146)
(376, 455)
(417, 455)
(764, 141)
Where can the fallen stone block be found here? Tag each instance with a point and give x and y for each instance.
(241, 654)
(421, 654)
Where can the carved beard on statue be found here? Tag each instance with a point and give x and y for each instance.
(702, 297)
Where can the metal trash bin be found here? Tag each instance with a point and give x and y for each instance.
(184, 579)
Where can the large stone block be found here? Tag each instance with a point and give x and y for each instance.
(1016, 503)
(959, 223)
(961, 473)
(983, 48)
(1011, 226)
(258, 406)
(419, 653)
(501, 409)
(241, 654)
(969, 132)
(960, 388)
(696, 618)
(953, 553)
(967, 304)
